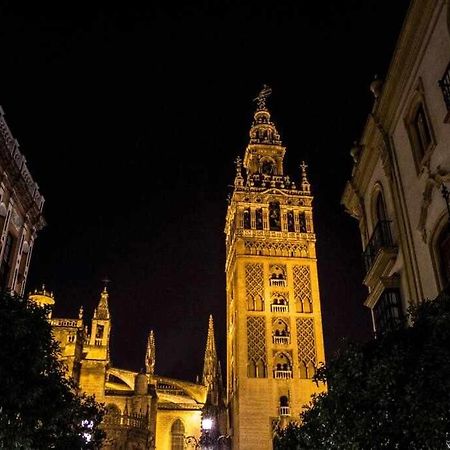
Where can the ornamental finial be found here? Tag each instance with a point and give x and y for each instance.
(305, 183)
(239, 180)
(262, 97)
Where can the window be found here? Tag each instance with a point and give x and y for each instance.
(387, 312)
(5, 267)
(99, 332)
(290, 221)
(419, 130)
(177, 435)
(247, 219)
(443, 248)
(445, 87)
(259, 219)
(302, 220)
(274, 216)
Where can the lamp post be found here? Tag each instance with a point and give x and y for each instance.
(208, 439)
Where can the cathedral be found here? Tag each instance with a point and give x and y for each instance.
(274, 328)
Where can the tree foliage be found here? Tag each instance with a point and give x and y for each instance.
(39, 407)
(392, 392)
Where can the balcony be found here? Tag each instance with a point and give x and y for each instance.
(282, 374)
(279, 308)
(278, 282)
(380, 250)
(285, 411)
(281, 340)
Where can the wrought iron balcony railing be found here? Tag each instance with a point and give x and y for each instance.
(381, 238)
(285, 411)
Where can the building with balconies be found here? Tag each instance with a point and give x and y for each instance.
(398, 190)
(21, 217)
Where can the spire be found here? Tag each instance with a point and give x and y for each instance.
(263, 131)
(210, 363)
(150, 355)
(306, 187)
(102, 310)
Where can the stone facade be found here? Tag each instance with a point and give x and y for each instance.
(274, 337)
(20, 213)
(401, 171)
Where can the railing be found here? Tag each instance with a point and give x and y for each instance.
(285, 411)
(282, 374)
(127, 420)
(64, 322)
(98, 342)
(444, 84)
(381, 238)
(277, 282)
(279, 308)
(281, 339)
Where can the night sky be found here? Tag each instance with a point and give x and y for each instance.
(130, 118)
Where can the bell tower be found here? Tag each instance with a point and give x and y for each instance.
(274, 325)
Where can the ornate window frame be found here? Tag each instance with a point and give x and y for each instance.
(439, 228)
(421, 154)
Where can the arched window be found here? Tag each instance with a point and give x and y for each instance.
(380, 209)
(259, 219)
(177, 435)
(274, 216)
(419, 128)
(302, 220)
(290, 221)
(247, 219)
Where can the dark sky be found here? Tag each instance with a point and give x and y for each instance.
(130, 117)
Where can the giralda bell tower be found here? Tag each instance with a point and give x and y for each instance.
(274, 326)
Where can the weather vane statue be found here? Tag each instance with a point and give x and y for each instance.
(262, 96)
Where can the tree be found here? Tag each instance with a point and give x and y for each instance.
(39, 407)
(391, 392)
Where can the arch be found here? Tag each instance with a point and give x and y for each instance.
(440, 251)
(247, 219)
(274, 216)
(280, 327)
(260, 369)
(251, 369)
(290, 221)
(177, 435)
(259, 218)
(310, 370)
(303, 371)
(267, 166)
(378, 204)
(284, 401)
(283, 360)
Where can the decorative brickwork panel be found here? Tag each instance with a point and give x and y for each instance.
(306, 347)
(254, 283)
(302, 289)
(256, 347)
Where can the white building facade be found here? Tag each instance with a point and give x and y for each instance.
(398, 190)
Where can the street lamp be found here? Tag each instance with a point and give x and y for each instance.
(208, 440)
